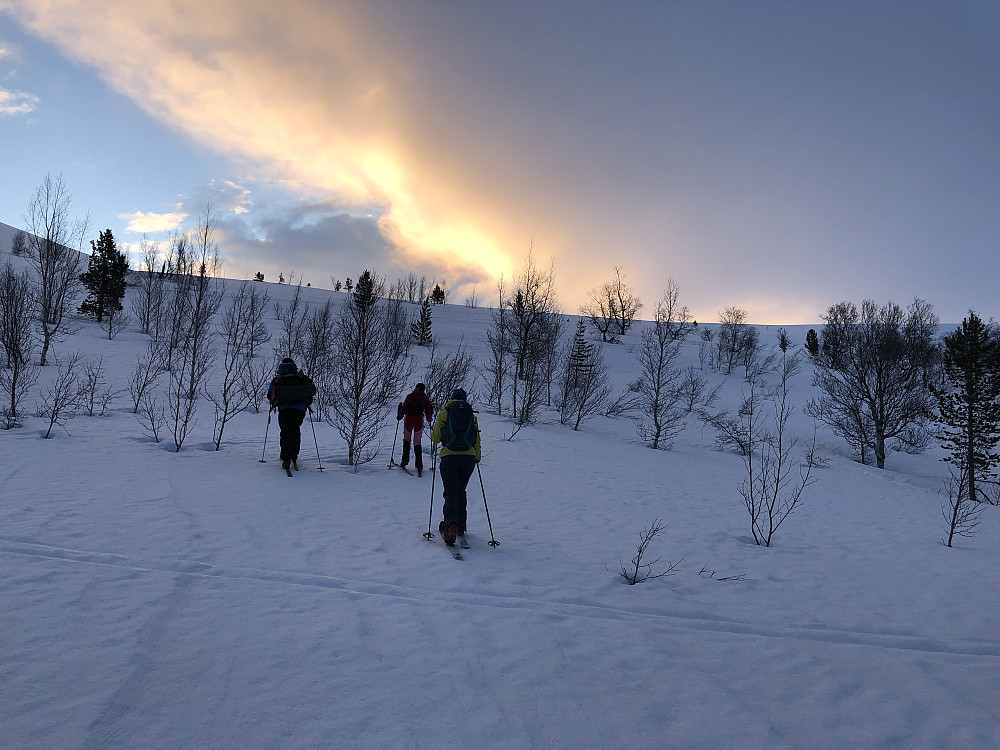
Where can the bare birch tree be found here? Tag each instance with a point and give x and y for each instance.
(258, 374)
(229, 397)
(51, 238)
(151, 415)
(256, 307)
(873, 380)
(446, 372)
(170, 335)
(292, 318)
(770, 492)
(495, 370)
(61, 399)
(601, 309)
(628, 303)
(150, 285)
(961, 516)
(412, 285)
(18, 373)
(671, 313)
(197, 298)
(659, 388)
(318, 350)
(533, 332)
(694, 389)
(147, 372)
(612, 307)
(730, 338)
(96, 395)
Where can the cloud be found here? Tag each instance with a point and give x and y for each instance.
(735, 150)
(312, 240)
(307, 97)
(319, 241)
(453, 151)
(151, 223)
(221, 198)
(16, 103)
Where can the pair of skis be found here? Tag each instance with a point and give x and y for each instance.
(455, 552)
(393, 463)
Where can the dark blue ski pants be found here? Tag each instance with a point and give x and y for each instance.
(290, 423)
(456, 470)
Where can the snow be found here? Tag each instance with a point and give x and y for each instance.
(154, 599)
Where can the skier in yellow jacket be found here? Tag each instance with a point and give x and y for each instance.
(457, 430)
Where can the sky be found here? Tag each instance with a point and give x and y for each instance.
(773, 156)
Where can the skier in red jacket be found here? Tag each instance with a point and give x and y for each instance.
(412, 411)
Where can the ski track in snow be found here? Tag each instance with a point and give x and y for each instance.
(195, 569)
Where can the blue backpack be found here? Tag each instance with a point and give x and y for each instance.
(458, 433)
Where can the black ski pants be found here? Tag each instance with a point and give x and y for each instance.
(290, 422)
(456, 470)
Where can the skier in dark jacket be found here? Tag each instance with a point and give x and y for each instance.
(415, 407)
(457, 466)
(287, 394)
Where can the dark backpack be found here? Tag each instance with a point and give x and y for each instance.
(458, 433)
(299, 390)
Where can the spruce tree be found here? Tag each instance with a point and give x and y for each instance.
(421, 328)
(18, 243)
(579, 356)
(438, 295)
(968, 404)
(585, 386)
(104, 278)
(365, 293)
(812, 342)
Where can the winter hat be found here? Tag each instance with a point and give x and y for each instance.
(421, 387)
(287, 367)
(458, 395)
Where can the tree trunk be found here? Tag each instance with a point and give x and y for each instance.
(879, 448)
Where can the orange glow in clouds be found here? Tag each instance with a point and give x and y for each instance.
(412, 226)
(309, 110)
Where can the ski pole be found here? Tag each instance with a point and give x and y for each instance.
(262, 461)
(430, 516)
(393, 452)
(493, 542)
(315, 442)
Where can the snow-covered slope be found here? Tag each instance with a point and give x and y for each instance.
(154, 599)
